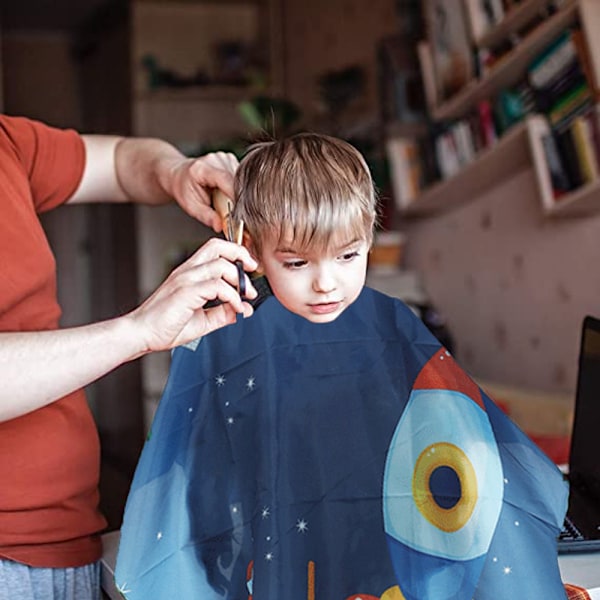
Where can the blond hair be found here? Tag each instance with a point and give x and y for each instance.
(311, 186)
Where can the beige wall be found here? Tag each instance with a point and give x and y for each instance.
(513, 284)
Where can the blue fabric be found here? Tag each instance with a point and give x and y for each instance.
(355, 459)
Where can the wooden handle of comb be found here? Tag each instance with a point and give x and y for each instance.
(221, 204)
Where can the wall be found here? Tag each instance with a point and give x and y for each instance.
(513, 285)
(39, 79)
(322, 36)
(40, 83)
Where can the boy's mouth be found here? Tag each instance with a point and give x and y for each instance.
(325, 308)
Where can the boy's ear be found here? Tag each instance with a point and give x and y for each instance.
(249, 244)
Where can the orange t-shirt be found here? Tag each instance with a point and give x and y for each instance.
(49, 459)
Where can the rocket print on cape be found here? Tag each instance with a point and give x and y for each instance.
(353, 460)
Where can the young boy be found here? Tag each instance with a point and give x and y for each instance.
(309, 207)
(328, 448)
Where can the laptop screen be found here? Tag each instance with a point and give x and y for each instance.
(584, 466)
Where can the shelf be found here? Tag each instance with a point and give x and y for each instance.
(510, 68)
(579, 203)
(513, 22)
(503, 160)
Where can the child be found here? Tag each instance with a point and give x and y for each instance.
(312, 238)
(328, 447)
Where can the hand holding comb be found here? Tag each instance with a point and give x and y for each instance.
(234, 232)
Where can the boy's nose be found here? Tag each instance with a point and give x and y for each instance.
(324, 281)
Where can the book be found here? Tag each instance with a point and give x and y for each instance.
(447, 155)
(476, 131)
(477, 18)
(527, 97)
(549, 169)
(571, 77)
(568, 154)
(405, 169)
(488, 127)
(494, 10)
(430, 170)
(450, 46)
(584, 145)
(463, 142)
(575, 102)
(553, 60)
(593, 119)
(559, 177)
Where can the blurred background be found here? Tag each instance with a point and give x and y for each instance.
(501, 285)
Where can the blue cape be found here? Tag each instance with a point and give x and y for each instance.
(355, 459)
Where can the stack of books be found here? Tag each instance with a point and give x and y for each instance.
(565, 91)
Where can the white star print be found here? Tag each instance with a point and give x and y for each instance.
(517, 523)
(190, 409)
(220, 380)
(269, 556)
(230, 420)
(265, 512)
(507, 570)
(123, 589)
(302, 526)
(251, 383)
(159, 535)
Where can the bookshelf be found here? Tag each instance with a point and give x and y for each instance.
(494, 164)
(582, 202)
(510, 68)
(515, 19)
(521, 145)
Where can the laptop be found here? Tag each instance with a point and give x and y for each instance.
(581, 531)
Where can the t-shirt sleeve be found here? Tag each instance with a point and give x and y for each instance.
(53, 158)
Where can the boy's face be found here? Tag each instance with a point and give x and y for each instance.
(315, 285)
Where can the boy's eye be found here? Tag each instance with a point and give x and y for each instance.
(294, 264)
(349, 255)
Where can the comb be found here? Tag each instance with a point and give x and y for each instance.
(234, 232)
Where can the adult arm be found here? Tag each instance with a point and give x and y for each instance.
(152, 171)
(37, 368)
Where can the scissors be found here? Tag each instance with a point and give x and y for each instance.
(233, 231)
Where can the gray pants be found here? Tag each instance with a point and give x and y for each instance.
(21, 582)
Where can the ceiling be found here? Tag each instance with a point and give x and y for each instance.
(46, 15)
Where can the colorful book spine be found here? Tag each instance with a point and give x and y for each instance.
(568, 153)
(554, 60)
(559, 177)
(405, 167)
(584, 145)
(569, 106)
